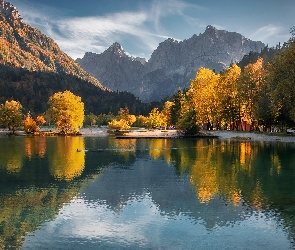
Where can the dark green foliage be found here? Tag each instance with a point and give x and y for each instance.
(187, 124)
(178, 99)
(267, 54)
(33, 89)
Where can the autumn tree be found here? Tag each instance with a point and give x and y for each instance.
(228, 94)
(140, 121)
(11, 115)
(166, 114)
(203, 96)
(123, 121)
(251, 81)
(123, 114)
(67, 111)
(154, 119)
(32, 125)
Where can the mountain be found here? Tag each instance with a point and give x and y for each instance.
(33, 68)
(23, 46)
(171, 65)
(118, 70)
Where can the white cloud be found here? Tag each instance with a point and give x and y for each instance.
(269, 33)
(162, 9)
(77, 35)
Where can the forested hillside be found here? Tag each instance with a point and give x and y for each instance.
(23, 46)
(32, 90)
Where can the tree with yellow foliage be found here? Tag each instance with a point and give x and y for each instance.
(123, 121)
(32, 125)
(11, 115)
(67, 111)
(251, 83)
(166, 114)
(228, 94)
(154, 119)
(203, 96)
(124, 115)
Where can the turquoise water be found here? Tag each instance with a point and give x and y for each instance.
(146, 194)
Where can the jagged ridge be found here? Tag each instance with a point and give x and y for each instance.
(171, 65)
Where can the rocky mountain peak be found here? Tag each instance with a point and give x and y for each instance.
(210, 29)
(9, 11)
(172, 64)
(117, 49)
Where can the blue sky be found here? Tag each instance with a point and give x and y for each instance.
(140, 25)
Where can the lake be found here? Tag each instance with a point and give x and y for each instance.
(107, 193)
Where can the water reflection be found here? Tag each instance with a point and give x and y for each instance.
(152, 189)
(68, 158)
(11, 155)
(35, 145)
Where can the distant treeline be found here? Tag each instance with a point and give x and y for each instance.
(33, 89)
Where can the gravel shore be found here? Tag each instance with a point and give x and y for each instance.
(222, 134)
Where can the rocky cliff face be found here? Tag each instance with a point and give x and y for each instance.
(118, 70)
(171, 65)
(26, 47)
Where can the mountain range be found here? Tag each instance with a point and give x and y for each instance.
(171, 66)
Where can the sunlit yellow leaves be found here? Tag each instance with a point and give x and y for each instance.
(154, 119)
(30, 125)
(123, 121)
(203, 95)
(67, 111)
(251, 81)
(166, 114)
(118, 124)
(11, 115)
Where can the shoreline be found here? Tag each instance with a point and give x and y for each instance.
(173, 134)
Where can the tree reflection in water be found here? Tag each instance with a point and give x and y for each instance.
(68, 158)
(230, 179)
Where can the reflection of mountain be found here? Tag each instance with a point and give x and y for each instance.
(214, 183)
(229, 180)
(168, 191)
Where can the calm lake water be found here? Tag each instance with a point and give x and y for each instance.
(146, 194)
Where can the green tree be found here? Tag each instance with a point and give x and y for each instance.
(188, 123)
(177, 108)
(67, 111)
(11, 115)
(281, 78)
